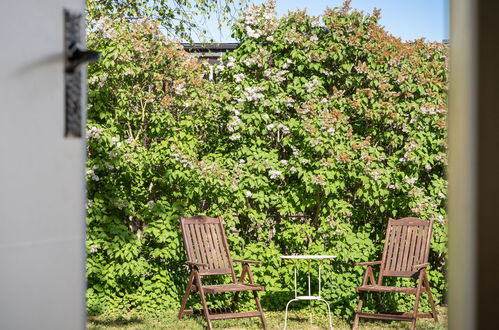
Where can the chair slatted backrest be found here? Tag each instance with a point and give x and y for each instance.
(407, 244)
(205, 242)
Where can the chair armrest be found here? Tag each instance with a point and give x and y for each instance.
(418, 267)
(368, 263)
(247, 261)
(197, 264)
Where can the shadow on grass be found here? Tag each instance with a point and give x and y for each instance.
(115, 323)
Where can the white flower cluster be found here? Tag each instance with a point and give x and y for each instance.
(315, 142)
(287, 63)
(289, 101)
(439, 157)
(392, 186)
(277, 77)
(103, 79)
(428, 111)
(422, 204)
(94, 132)
(93, 80)
(376, 175)
(318, 179)
(238, 77)
(257, 23)
(235, 137)
(92, 174)
(219, 68)
(284, 129)
(253, 93)
(315, 21)
(94, 248)
(292, 36)
(231, 62)
(116, 141)
(250, 61)
(179, 87)
(409, 148)
(251, 15)
(253, 33)
(105, 25)
(310, 85)
(274, 174)
(235, 123)
(410, 181)
(182, 159)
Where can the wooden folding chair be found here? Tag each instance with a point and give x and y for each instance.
(405, 254)
(208, 254)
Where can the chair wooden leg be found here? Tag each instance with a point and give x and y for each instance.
(260, 309)
(247, 270)
(368, 275)
(359, 309)
(186, 295)
(206, 311)
(418, 295)
(430, 297)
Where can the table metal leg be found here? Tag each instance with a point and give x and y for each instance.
(328, 313)
(286, 315)
(296, 291)
(320, 278)
(309, 292)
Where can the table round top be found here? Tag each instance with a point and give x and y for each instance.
(309, 257)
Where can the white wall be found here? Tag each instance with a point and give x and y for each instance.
(42, 188)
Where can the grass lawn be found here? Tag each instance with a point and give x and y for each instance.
(297, 320)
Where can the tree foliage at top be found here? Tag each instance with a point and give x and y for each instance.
(178, 18)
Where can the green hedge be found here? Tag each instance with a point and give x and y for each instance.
(317, 130)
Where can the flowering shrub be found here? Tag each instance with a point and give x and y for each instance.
(318, 130)
(146, 100)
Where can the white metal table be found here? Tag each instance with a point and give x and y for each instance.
(309, 297)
